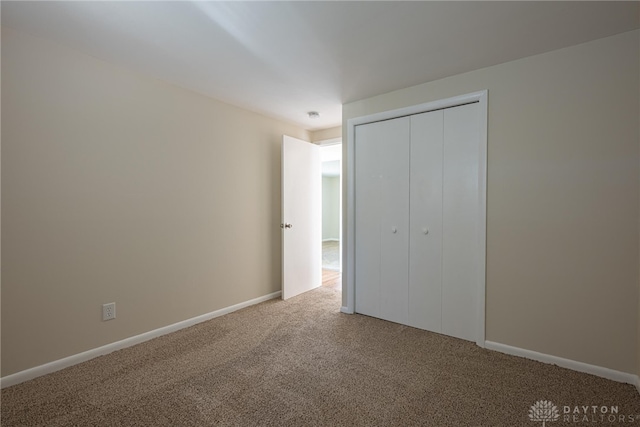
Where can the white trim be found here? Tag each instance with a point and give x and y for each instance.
(416, 109)
(637, 383)
(348, 277)
(330, 240)
(348, 232)
(56, 365)
(482, 219)
(330, 141)
(599, 371)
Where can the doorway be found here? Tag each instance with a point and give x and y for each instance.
(302, 215)
(331, 154)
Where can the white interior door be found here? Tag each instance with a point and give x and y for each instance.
(301, 217)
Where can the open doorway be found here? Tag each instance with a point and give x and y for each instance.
(331, 154)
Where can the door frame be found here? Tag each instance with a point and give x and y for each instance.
(349, 250)
(328, 143)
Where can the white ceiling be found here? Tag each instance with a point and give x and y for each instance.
(283, 59)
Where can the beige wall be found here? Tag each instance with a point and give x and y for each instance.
(118, 187)
(563, 197)
(324, 134)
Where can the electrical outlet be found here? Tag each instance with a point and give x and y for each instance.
(109, 311)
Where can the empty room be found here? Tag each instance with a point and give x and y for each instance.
(320, 213)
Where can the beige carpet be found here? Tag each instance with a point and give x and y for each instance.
(301, 362)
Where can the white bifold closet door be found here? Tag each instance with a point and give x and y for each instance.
(382, 219)
(416, 220)
(425, 267)
(460, 228)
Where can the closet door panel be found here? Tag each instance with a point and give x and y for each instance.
(367, 219)
(460, 221)
(425, 249)
(382, 207)
(394, 231)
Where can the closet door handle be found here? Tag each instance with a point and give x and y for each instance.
(425, 230)
(394, 230)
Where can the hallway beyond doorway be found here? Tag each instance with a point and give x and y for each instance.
(331, 255)
(331, 279)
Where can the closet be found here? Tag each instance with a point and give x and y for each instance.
(418, 231)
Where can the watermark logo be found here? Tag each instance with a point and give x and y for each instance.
(544, 410)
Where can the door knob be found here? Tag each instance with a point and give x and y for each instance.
(425, 230)
(288, 225)
(394, 230)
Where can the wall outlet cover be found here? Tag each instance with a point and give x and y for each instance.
(109, 311)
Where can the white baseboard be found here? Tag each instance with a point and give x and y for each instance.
(330, 240)
(56, 365)
(346, 310)
(599, 371)
(637, 384)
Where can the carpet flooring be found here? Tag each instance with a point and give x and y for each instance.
(302, 363)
